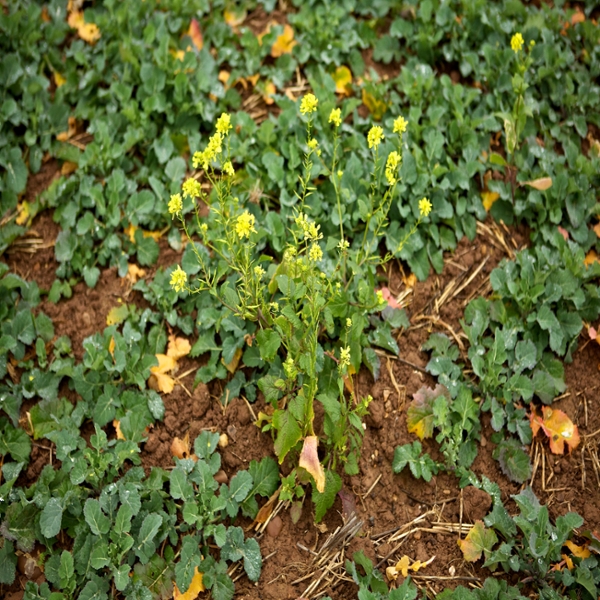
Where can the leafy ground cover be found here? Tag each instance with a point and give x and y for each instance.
(159, 443)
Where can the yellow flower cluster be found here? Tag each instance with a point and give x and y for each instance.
(516, 43)
(313, 144)
(259, 272)
(310, 230)
(228, 168)
(335, 117)
(400, 125)
(308, 104)
(315, 253)
(223, 124)
(178, 279)
(191, 188)
(344, 357)
(391, 167)
(290, 368)
(214, 148)
(175, 204)
(375, 136)
(424, 207)
(244, 225)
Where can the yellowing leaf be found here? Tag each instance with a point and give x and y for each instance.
(590, 258)
(403, 565)
(578, 551)
(235, 361)
(541, 184)
(284, 43)
(117, 426)
(117, 314)
(111, 346)
(24, 209)
(88, 32)
(478, 541)
(376, 106)
(59, 79)
(178, 347)
(488, 199)
(578, 17)
(309, 460)
(72, 130)
(159, 379)
(269, 92)
(134, 273)
(235, 17)
(419, 415)
(195, 34)
(195, 588)
(343, 80)
(224, 77)
(558, 427)
(68, 167)
(568, 560)
(131, 229)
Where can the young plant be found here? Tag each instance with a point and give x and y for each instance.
(311, 309)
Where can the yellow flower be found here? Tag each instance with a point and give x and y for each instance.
(228, 168)
(211, 151)
(203, 228)
(391, 167)
(312, 144)
(244, 225)
(259, 272)
(375, 136)
(308, 104)
(424, 207)
(178, 279)
(223, 124)
(191, 188)
(344, 357)
(335, 117)
(175, 204)
(348, 322)
(380, 297)
(516, 43)
(400, 125)
(290, 368)
(343, 245)
(315, 253)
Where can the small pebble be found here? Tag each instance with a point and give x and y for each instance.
(223, 441)
(274, 527)
(221, 477)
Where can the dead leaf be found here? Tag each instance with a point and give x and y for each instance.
(72, 130)
(578, 551)
(68, 167)
(343, 80)
(541, 184)
(180, 448)
(590, 258)
(235, 361)
(45, 16)
(59, 79)
(376, 106)
(88, 32)
(478, 540)
(117, 426)
(419, 415)
(195, 34)
(488, 199)
(597, 229)
(160, 380)
(563, 232)
(234, 17)
(195, 588)
(568, 561)
(403, 566)
(131, 229)
(24, 210)
(111, 346)
(178, 347)
(578, 17)
(309, 460)
(134, 273)
(269, 90)
(557, 426)
(284, 42)
(224, 77)
(410, 280)
(117, 314)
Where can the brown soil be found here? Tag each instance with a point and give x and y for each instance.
(384, 501)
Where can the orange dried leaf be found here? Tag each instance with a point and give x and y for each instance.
(343, 80)
(195, 588)
(269, 92)
(578, 551)
(578, 17)
(59, 79)
(309, 460)
(68, 167)
(195, 34)
(111, 346)
(569, 562)
(284, 43)
(401, 567)
(134, 273)
(159, 378)
(557, 426)
(24, 209)
(597, 229)
(590, 258)
(72, 130)
(488, 199)
(178, 347)
(541, 184)
(180, 448)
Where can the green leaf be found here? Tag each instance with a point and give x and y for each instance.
(121, 576)
(410, 454)
(478, 541)
(265, 476)
(51, 518)
(180, 487)
(324, 501)
(145, 546)
(23, 327)
(190, 559)
(98, 522)
(8, 563)
(240, 485)
(268, 343)
(513, 460)
(16, 171)
(547, 320)
(19, 525)
(16, 443)
(147, 249)
(288, 433)
(123, 519)
(66, 569)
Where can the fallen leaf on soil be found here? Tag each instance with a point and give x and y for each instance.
(410, 280)
(24, 212)
(348, 503)
(195, 34)
(134, 273)
(343, 80)
(403, 565)
(568, 561)
(309, 460)
(180, 448)
(117, 314)
(578, 551)
(224, 77)
(590, 258)
(488, 199)
(117, 426)
(265, 511)
(71, 131)
(478, 540)
(284, 42)
(269, 92)
(130, 231)
(376, 106)
(558, 427)
(111, 346)
(88, 32)
(235, 361)
(159, 379)
(195, 588)
(178, 347)
(541, 184)
(597, 229)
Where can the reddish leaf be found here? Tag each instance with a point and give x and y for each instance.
(557, 426)
(195, 34)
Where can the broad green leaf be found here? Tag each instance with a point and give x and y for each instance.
(478, 541)
(288, 433)
(420, 418)
(98, 522)
(51, 518)
(410, 454)
(8, 563)
(268, 342)
(323, 502)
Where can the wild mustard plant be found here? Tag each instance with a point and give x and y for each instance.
(312, 307)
